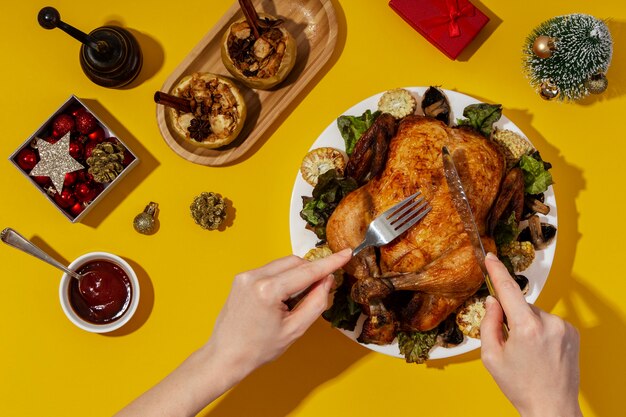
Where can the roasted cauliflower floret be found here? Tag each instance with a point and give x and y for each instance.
(470, 315)
(320, 252)
(521, 254)
(397, 102)
(319, 161)
(512, 145)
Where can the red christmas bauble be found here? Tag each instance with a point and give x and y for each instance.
(85, 122)
(26, 159)
(65, 198)
(84, 176)
(52, 140)
(128, 158)
(89, 149)
(76, 149)
(42, 180)
(77, 208)
(62, 124)
(97, 135)
(70, 178)
(85, 192)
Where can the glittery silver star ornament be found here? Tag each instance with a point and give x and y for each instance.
(55, 161)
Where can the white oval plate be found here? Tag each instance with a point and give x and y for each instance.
(302, 240)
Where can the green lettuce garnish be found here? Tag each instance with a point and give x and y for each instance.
(352, 127)
(481, 117)
(537, 178)
(415, 346)
(506, 231)
(344, 312)
(327, 194)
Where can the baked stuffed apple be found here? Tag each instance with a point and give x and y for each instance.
(204, 109)
(258, 50)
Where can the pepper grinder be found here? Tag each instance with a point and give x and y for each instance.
(110, 56)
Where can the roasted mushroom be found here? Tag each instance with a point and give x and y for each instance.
(435, 104)
(449, 333)
(538, 232)
(534, 203)
(523, 283)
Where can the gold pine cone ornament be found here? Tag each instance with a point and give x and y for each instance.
(105, 162)
(208, 210)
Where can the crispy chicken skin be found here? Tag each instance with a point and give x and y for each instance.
(434, 259)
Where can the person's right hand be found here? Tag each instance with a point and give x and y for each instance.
(255, 325)
(537, 367)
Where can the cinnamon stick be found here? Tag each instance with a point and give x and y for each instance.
(251, 16)
(172, 101)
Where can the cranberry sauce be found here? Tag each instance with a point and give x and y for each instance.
(103, 294)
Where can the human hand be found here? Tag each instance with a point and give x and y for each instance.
(255, 326)
(537, 366)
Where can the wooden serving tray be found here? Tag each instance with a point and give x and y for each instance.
(312, 23)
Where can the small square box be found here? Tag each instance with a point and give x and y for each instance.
(80, 191)
(450, 25)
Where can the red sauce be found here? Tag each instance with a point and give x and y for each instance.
(104, 294)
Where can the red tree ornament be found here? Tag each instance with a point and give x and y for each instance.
(97, 135)
(84, 192)
(85, 122)
(65, 199)
(77, 208)
(76, 149)
(70, 178)
(89, 148)
(62, 124)
(27, 159)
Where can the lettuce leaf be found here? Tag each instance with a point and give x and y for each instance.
(415, 346)
(537, 178)
(344, 312)
(352, 127)
(481, 117)
(329, 191)
(506, 231)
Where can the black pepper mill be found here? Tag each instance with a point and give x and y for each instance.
(110, 55)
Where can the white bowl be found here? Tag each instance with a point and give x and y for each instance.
(65, 299)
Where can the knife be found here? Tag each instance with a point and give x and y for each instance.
(462, 206)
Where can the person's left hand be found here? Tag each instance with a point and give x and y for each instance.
(255, 326)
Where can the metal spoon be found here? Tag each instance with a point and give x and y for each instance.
(12, 238)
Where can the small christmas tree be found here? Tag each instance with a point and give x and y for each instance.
(567, 57)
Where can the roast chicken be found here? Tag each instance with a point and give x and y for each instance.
(431, 268)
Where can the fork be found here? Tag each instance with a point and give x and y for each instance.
(393, 222)
(382, 230)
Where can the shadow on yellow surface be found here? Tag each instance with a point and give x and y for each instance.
(602, 346)
(153, 57)
(146, 165)
(279, 387)
(483, 35)
(603, 337)
(43, 245)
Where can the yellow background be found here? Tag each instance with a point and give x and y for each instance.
(48, 367)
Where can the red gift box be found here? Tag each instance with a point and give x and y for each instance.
(450, 25)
